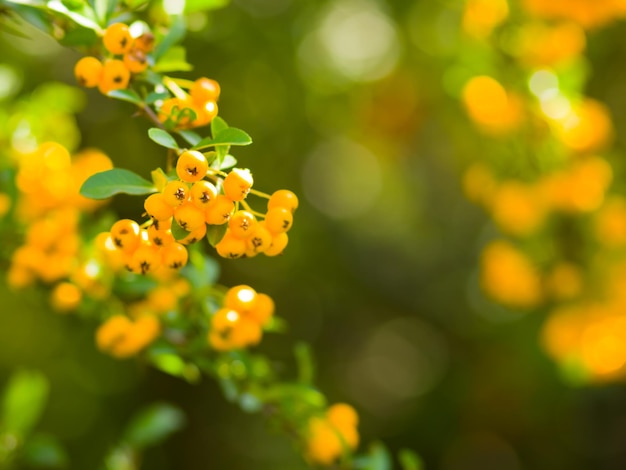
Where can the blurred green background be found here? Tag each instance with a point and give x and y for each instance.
(346, 103)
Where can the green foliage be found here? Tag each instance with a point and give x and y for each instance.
(23, 402)
(153, 424)
(115, 181)
(163, 138)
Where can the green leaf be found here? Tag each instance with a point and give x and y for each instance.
(192, 6)
(218, 125)
(84, 37)
(190, 136)
(78, 18)
(169, 363)
(154, 424)
(230, 136)
(162, 138)
(215, 233)
(379, 457)
(175, 34)
(201, 270)
(115, 181)
(104, 9)
(159, 178)
(153, 97)
(304, 360)
(228, 162)
(177, 231)
(410, 460)
(126, 95)
(44, 451)
(174, 60)
(250, 403)
(24, 399)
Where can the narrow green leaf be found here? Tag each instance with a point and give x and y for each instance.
(159, 178)
(169, 363)
(192, 6)
(154, 424)
(215, 233)
(228, 162)
(175, 34)
(126, 95)
(218, 125)
(24, 399)
(230, 136)
(177, 231)
(174, 60)
(44, 451)
(190, 136)
(78, 18)
(154, 97)
(83, 37)
(379, 457)
(410, 460)
(163, 138)
(110, 182)
(104, 9)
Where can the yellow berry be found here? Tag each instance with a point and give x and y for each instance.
(279, 243)
(242, 224)
(240, 298)
(237, 184)
(283, 198)
(188, 216)
(157, 207)
(204, 89)
(117, 38)
(144, 43)
(259, 240)
(202, 193)
(66, 296)
(278, 220)
(191, 166)
(194, 235)
(136, 61)
(204, 113)
(115, 76)
(160, 237)
(125, 235)
(175, 193)
(231, 246)
(88, 72)
(262, 310)
(174, 256)
(219, 210)
(145, 259)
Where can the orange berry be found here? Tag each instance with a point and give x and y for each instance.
(259, 240)
(144, 259)
(191, 166)
(204, 89)
(242, 224)
(88, 72)
(174, 256)
(144, 43)
(117, 38)
(278, 220)
(204, 113)
(237, 184)
(279, 242)
(219, 210)
(157, 207)
(202, 193)
(66, 296)
(194, 235)
(115, 76)
(175, 193)
(240, 298)
(189, 216)
(231, 246)
(160, 237)
(262, 310)
(283, 198)
(342, 415)
(125, 234)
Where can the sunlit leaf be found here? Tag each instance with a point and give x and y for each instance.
(230, 136)
(154, 424)
(215, 233)
(409, 460)
(174, 60)
(78, 18)
(159, 178)
(115, 181)
(218, 125)
(162, 138)
(228, 162)
(23, 401)
(192, 6)
(175, 34)
(190, 136)
(126, 95)
(84, 37)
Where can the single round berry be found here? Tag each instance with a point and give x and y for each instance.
(136, 61)
(192, 166)
(278, 220)
(204, 113)
(237, 184)
(125, 235)
(175, 193)
(204, 89)
(194, 236)
(157, 207)
(202, 193)
(174, 256)
(231, 246)
(66, 296)
(219, 210)
(117, 38)
(283, 198)
(241, 298)
(262, 310)
(160, 237)
(88, 72)
(188, 216)
(242, 224)
(278, 245)
(115, 76)
(259, 240)
(146, 258)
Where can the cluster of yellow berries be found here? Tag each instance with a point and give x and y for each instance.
(240, 321)
(201, 101)
(128, 55)
(50, 205)
(121, 336)
(331, 435)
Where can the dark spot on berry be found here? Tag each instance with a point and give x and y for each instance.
(145, 267)
(118, 242)
(257, 242)
(180, 194)
(192, 171)
(123, 42)
(118, 79)
(285, 224)
(176, 265)
(157, 241)
(205, 197)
